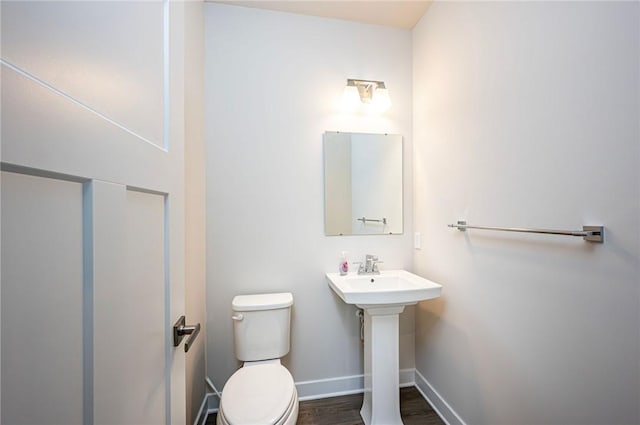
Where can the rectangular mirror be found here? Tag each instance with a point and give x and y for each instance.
(362, 184)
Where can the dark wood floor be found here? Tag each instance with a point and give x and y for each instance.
(345, 410)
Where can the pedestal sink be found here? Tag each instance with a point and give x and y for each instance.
(382, 297)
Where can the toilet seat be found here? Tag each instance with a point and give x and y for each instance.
(262, 394)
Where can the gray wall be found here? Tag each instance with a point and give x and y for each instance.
(526, 114)
(274, 83)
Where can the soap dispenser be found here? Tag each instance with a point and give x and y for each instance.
(344, 263)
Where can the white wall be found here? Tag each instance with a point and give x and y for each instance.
(526, 114)
(274, 82)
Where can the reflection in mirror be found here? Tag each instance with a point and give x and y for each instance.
(362, 184)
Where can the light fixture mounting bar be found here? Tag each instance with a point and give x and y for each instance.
(366, 88)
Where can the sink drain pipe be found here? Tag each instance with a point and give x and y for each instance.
(360, 316)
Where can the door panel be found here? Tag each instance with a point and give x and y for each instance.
(130, 310)
(104, 54)
(42, 308)
(126, 217)
(48, 131)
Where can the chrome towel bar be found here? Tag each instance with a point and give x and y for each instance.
(589, 233)
(364, 220)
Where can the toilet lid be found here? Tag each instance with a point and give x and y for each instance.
(258, 395)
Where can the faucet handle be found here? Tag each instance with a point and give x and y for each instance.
(375, 266)
(360, 266)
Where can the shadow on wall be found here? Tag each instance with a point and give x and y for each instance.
(432, 325)
(477, 357)
(428, 316)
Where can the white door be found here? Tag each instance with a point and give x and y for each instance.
(92, 212)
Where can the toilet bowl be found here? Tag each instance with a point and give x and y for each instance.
(262, 391)
(261, 394)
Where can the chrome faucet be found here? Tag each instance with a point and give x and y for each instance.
(370, 265)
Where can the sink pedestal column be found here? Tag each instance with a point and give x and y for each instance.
(381, 405)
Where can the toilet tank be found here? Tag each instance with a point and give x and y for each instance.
(261, 326)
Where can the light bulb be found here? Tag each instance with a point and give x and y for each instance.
(381, 100)
(350, 98)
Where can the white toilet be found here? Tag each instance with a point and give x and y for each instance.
(262, 391)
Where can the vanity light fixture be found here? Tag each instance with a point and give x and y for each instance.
(369, 92)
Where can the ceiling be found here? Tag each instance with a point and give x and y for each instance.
(392, 13)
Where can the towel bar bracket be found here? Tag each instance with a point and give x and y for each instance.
(595, 233)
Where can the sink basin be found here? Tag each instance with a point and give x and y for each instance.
(390, 287)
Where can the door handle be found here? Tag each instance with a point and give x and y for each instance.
(180, 329)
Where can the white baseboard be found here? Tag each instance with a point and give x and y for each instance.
(407, 377)
(343, 385)
(209, 405)
(202, 412)
(439, 404)
(313, 390)
(331, 387)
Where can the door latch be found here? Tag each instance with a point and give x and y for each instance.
(180, 329)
